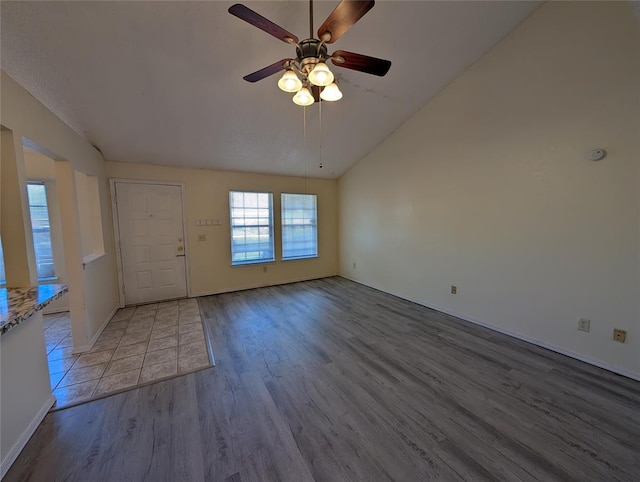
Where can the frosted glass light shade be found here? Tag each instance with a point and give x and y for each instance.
(303, 97)
(321, 75)
(331, 93)
(289, 82)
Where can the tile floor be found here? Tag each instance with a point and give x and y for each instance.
(139, 345)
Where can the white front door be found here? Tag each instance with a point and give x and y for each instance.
(151, 241)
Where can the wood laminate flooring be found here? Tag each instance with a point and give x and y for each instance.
(330, 380)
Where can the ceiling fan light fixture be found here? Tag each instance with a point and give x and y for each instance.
(321, 75)
(308, 72)
(331, 93)
(289, 82)
(303, 97)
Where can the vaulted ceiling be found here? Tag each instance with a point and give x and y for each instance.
(161, 82)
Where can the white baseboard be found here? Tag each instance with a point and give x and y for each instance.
(89, 346)
(519, 336)
(64, 309)
(12, 455)
(258, 285)
(549, 346)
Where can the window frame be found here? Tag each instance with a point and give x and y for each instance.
(283, 230)
(3, 274)
(35, 230)
(270, 227)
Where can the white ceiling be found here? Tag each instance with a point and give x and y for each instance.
(161, 82)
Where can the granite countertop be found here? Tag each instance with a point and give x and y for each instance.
(18, 304)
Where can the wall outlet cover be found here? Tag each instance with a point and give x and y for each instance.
(619, 335)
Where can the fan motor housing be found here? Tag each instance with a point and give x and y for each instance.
(310, 51)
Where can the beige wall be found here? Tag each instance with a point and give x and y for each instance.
(207, 197)
(25, 393)
(38, 167)
(41, 168)
(488, 188)
(19, 255)
(92, 288)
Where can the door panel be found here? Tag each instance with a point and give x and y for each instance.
(151, 241)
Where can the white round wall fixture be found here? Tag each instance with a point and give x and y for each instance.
(597, 154)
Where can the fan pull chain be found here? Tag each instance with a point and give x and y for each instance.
(320, 110)
(304, 145)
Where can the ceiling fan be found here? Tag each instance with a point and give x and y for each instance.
(307, 75)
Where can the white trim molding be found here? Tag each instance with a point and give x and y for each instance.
(12, 455)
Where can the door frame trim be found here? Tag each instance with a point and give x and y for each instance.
(116, 230)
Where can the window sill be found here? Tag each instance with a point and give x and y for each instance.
(89, 259)
(253, 263)
(301, 258)
(49, 280)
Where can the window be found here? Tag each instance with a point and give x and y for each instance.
(251, 227)
(3, 280)
(41, 230)
(299, 226)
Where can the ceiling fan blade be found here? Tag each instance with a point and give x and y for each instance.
(361, 63)
(267, 71)
(257, 20)
(343, 17)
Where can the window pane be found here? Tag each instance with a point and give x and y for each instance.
(41, 230)
(251, 227)
(299, 226)
(2, 276)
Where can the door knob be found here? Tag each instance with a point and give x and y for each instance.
(180, 248)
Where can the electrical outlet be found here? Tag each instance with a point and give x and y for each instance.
(619, 335)
(354, 265)
(454, 289)
(264, 269)
(202, 237)
(584, 324)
